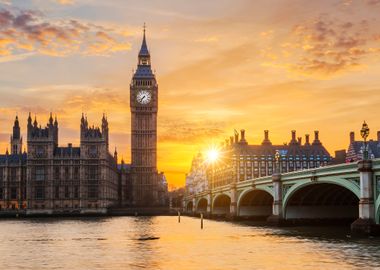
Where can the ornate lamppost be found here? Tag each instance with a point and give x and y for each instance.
(364, 132)
(277, 159)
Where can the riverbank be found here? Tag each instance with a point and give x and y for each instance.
(127, 211)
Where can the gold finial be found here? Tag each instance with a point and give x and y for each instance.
(277, 156)
(364, 132)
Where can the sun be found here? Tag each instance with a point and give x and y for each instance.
(212, 155)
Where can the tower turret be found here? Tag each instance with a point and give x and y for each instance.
(55, 130)
(35, 123)
(51, 119)
(16, 139)
(115, 155)
(105, 130)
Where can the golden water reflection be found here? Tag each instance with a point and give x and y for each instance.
(163, 243)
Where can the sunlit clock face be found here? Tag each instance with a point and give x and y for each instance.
(143, 97)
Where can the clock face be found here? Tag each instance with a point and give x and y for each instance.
(143, 97)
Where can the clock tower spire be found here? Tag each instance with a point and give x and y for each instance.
(144, 107)
(144, 56)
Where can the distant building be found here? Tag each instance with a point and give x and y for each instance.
(241, 161)
(176, 197)
(340, 157)
(196, 179)
(356, 148)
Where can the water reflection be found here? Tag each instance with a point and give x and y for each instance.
(163, 243)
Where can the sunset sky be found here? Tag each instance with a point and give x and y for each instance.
(221, 65)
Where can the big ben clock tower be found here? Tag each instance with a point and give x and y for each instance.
(144, 105)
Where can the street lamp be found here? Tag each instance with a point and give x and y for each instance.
(364, 132)
(277, 159)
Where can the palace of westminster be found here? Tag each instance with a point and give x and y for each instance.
(50, 179)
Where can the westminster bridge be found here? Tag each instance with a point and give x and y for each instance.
(339, 192)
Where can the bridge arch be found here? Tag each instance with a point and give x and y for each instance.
(189, 207)
(221, 205)
(202, 205)
(323, 200)
(337, 181)
(255, 203)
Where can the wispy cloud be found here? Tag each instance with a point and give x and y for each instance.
(325, 46)
(29, 31)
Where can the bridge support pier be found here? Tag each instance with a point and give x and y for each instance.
(365, 224)
(277, 218)
(233, 206)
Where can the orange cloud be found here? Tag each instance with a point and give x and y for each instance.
(29, 31)
(324, 47)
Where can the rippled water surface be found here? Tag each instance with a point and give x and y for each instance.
(163, 243)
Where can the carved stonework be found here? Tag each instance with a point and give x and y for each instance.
(285, 189)
(354, 180)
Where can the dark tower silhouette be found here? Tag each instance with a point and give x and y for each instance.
(144, 105)
(16, 139)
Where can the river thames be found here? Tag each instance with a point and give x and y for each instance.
(163, 243)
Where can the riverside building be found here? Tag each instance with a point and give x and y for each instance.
(240, 161)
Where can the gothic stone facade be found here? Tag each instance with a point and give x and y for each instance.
(82, 179)
(55, 180)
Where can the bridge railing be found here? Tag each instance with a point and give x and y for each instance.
(344, 168)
